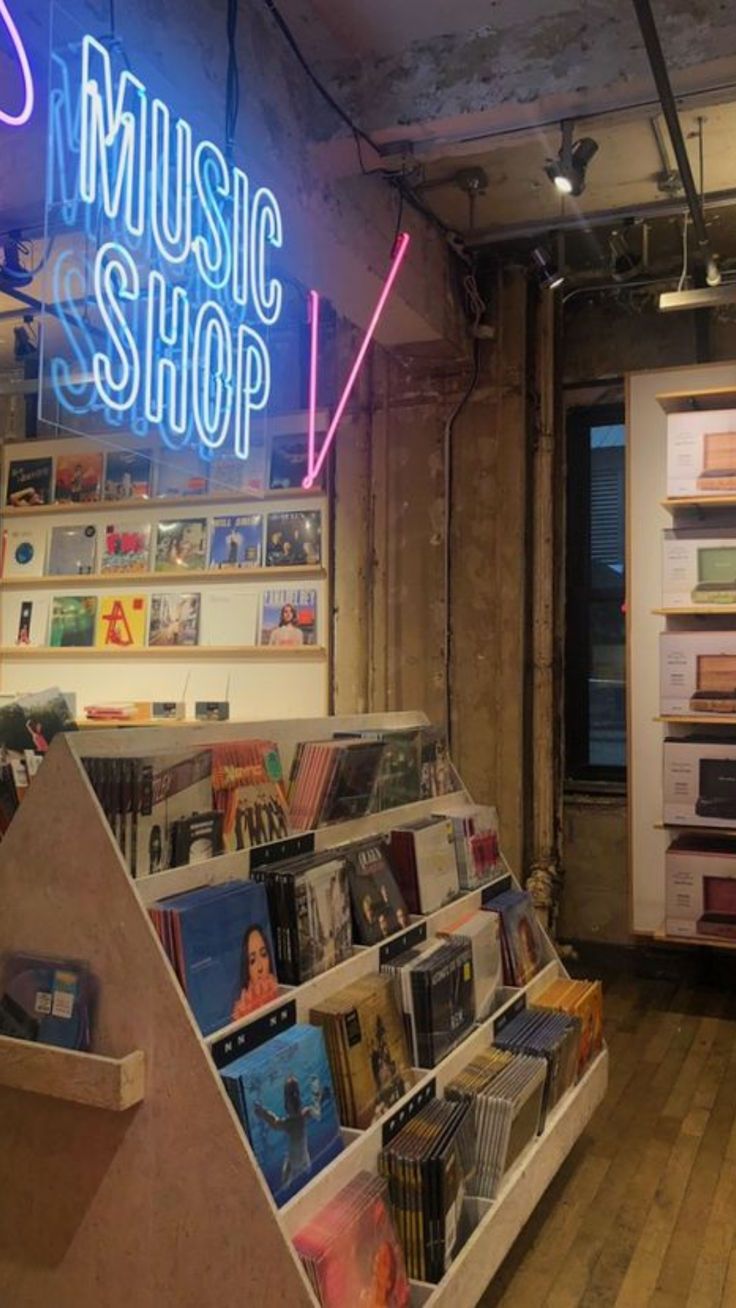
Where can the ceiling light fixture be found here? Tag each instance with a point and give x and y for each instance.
(568, 171)
(548, 275)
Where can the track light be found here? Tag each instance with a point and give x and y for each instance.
(548, 275)
(568, 170)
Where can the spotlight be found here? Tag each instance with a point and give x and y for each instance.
(624, 263)
(548, 275)
(568, 170)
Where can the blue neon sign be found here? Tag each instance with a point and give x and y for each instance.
(164, 289)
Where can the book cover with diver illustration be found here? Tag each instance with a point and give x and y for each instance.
(284, 1096)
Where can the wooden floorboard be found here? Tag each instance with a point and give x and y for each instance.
(643, 1212)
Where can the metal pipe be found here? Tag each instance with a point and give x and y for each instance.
(669, 109)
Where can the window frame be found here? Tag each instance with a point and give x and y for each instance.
(580, 596)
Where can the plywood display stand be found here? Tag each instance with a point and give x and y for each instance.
(650, 396)
(125, 1176)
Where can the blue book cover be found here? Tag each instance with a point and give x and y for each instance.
(284, 1095)
(227, 957)
(236, 541)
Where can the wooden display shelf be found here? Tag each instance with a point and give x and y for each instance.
(698, 719)
(695, 829)
(115, 1084)
(707, 942)
(692, 611)
(698, 502)
(114, 579)
(234, 653)
(717, 397)
(192, 502)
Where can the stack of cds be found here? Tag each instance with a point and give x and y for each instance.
(505, 1092)
(475, 832)
(434, 985)
(367, 1049)
(521, 939)
(332, 781)
(424, 1167)
(549, 1035)
(351, 1252)
(583, 999)
(309, 907)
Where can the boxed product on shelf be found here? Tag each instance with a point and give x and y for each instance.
(424, 862)
(218, 939)
(697, 672)
(699, 787)
(698, 566)
(700, 888)
(701, 453)
(350, 1249)
(367, 1048)
(285, 1099)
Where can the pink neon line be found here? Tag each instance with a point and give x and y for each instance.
(398, 258)
(314, 337)
(17, 120)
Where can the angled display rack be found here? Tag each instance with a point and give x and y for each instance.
(162, 1201)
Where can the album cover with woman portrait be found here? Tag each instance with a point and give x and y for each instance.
(219, 938)
(284, 1096)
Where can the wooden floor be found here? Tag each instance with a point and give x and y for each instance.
(644, 1210)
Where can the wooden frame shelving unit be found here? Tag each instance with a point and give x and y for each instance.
(164, 1203)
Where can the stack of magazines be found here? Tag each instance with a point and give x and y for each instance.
(505, 1092)
(351, 1251)
(584, 1000)
(332, 781)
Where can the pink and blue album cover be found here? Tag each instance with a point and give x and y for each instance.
(285, 1099)
(219, 940)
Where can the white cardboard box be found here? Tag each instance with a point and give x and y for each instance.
(698, 881)
(699, 785)
(697, 673)
(698, 567)
(701, 453)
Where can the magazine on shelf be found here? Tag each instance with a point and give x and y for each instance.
(288, 618)
(78, 478)
(121, 622)
(294, 540)
(24, 550)
(29, 483)
(181, 546)
(284, 1096)
(219, 940)
(174, 619)
(73, 551)
(26, 621)
(127, 475)
(236, 542)
(72, 621)
(126, 548)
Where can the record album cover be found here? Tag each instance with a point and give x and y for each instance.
(73, 620)
(121, 622)
(72, 551)
(126, 548)
(24, 550)
(288, 466)
(181, 546)
(174, 619)
(294, 540)
(182, 473)
(27, 620)
(236, 542)
(78, 478)
(29, 482)
(288, 618)
(127, 475)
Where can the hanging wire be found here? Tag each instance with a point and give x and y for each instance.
(232, 81)
(683, 274)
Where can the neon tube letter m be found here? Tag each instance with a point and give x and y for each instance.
(113, 138)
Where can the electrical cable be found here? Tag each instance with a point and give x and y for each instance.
(683, 274)
(232, 80)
